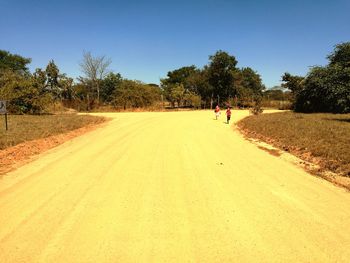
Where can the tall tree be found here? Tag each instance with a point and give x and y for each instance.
(340, 55)
(252, 80)
(223, 74)
(94, 69)
(52, 73)
(109, 85)
(324, 89)
(14, 62)
(179, 76)
(292, 83)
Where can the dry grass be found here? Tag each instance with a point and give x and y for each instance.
(24, 128)
(320, 138)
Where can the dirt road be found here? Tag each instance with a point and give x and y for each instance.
(169, 187)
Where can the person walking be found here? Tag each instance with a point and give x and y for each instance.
(228, 114)
(217, 112)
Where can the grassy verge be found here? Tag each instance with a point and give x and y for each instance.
(320, 138)
(24, 128)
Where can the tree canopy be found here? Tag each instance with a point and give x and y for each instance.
(220, 81)
(13, 62)
(324, 89)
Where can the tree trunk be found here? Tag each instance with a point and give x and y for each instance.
(88, 102)
(98, 93)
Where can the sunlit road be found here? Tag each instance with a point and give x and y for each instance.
(169, 187)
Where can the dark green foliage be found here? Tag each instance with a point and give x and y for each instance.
(324, 89)
(250, 88)
(31, 93)
(179, 76)
(178, 82)
(13, 62)
(24, 94)
(134, 94)
(222, 74)
(327, 89)
(220, 81)
(341, 55)
(109, 85)
(52, 75)
(292, 83)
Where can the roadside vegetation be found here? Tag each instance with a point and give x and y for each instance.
(24, 128)
(322, 138)
(219, 82)
(323, 89)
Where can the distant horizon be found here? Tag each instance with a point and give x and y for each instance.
(147, 40)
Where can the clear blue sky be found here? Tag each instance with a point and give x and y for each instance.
(146, 39)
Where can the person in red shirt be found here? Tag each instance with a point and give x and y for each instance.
(228, 114)
(217, 111)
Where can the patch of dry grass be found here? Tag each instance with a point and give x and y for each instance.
(24, 128)
(322, 138)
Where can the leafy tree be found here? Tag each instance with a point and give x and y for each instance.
(177, 94)
(179, 76)
(340, 55)
(326, 89)
(109, 85)
(252, 80)
(25, 94)
(68, 93)
(198, 83)
(176, 78)
(13, 62)
(250, 87)
(192, 99)
(134, 94)
(52, 75)
(292, 83)
(222, 75)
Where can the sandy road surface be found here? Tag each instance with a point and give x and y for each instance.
(169, 187)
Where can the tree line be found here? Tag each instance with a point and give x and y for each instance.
(323, 89)
(35, 93)
(219, 82)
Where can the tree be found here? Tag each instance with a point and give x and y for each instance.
(252, 80)
(176, 78)
(192, 99)
(198, 84)
(222, 75)
(327, 89)
(68, 93)
(13, 62)
(134, 94)
(177, 94)
(94, 69)
(179, 76)
(25, 94)
(52, 73)
(340, 55)
(109, 85)
(292, 82)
